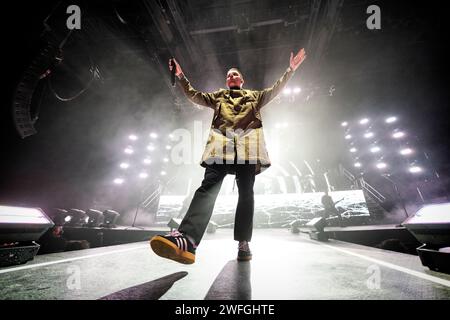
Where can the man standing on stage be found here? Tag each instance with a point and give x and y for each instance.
(235, 146)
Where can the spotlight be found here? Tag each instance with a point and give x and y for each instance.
(297, 90)
(348, 137)
(358, 165)
(406, 151)
(368, 135)
(415, 169)
(147, 161)
(124, 165)
(381, 165)
(95, 218)
(153, 135)
(168, 147)
(364, 121)
(150, 148)
(118, 181)
(132, 137)
(375, 149)
(391, 120)
(344, 124)
(287, 91)
(163, 173)
(110, 218)
(143, 175)
(58, 216)
(78, 217)
(166, 160)
(353, 150)
(398, 135)
(129, 150)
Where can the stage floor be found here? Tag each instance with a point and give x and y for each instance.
(284, 266)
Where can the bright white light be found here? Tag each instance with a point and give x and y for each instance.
(406, 151)
(297, 90)
(168, 147)
(163, 173)
(353, 150)
(118, 181)
(285, 125)
(375, 149)
(67, 219)
(381, 165)
(398, 135)
(368, 135)
(348, 137)
(166, 159)
(128, 150)
(391, 119)
(344, 124)
(147, 161)
(143, 175)
(415, 169)
(150, 148)
(287, 91)
(132, 137)
(171, 136)
(124, 165)
(364, 121)
(153, 135)
(358, 165)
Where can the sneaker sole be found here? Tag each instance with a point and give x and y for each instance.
(166, 249)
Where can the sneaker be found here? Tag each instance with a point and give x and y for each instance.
(174, 246)
(244, 253)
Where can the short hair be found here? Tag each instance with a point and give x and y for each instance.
(236, 69)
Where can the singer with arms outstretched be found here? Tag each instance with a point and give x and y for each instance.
(235, 146)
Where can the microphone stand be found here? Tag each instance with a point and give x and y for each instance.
(402, 201)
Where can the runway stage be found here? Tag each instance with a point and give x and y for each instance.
(285, 266)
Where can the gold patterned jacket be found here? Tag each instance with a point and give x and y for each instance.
(236, 134)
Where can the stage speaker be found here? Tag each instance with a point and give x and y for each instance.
(19, 228)
(431, 225)
(317, 224)
(22, 224)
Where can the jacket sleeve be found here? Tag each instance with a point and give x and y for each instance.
(269, 94)
(197, 97)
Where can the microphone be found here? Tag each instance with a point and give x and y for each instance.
(172, 73)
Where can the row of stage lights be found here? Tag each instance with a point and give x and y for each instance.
(146, 161)
(395, 134)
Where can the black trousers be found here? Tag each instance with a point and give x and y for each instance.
(200, 210)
